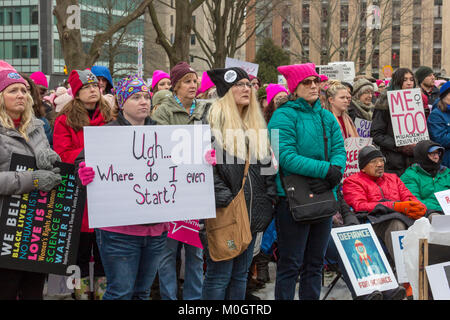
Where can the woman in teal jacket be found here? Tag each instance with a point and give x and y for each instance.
(300, 150)
(427, 176)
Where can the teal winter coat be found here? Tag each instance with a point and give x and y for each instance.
(299, 147)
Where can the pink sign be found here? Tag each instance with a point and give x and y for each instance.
(185, 231)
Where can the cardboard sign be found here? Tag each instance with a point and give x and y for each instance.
(185, 231)
(438, 278)
(250, 68)
(40, 230)
(352, 146)
(397, 244)
(408, 117)
(363, 127)
(148, 174)
(443, 197)
(364, 259)
(333, 72)
(348, 68)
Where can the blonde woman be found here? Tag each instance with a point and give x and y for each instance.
(337, 102)
(21, 132)
(239, 130)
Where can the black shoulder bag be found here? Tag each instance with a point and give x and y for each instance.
(306, 206)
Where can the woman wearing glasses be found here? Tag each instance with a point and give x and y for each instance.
(300, 123)
(88, 108)
(239, 131)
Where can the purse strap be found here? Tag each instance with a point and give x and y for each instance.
(247, 166)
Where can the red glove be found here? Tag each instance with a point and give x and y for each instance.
(210, 157)
(412, 209)
(86, 174)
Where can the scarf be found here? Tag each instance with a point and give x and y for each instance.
(350, 129)
(365, 111)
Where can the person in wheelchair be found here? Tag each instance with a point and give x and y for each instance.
(383, 200)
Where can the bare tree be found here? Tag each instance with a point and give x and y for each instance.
(355, 41)
(120, 43)
(228, 28)
(70, 37)
(179, 49)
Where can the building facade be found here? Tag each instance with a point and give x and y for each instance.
(410, 33)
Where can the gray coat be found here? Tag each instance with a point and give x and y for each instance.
(11, 141)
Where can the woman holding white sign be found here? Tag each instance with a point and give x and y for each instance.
(22, 133)
(130, 254)
(382, 132)
(242, 145)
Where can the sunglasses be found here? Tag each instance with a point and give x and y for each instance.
(308, 82)
(242, 85)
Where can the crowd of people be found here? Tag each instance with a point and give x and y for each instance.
(312, 116)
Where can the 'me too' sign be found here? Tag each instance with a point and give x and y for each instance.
(408, 117)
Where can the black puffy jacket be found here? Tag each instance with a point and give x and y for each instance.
(260, 190)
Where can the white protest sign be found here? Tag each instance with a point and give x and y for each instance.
(352, 146)
(250, 68)
(443, 197)
(438, 277)
(333, 72)
(348, 68)
(397, 244)
(281, 80)
(148, 174)
(363, 127)
(408, 117)
(364, 259)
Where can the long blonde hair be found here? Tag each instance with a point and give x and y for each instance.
(26, 118)
(237, 135)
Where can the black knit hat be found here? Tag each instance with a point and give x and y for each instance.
(423, 72)
(367, 154)
(224, 79)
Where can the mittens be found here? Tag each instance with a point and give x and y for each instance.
(412, 209)
(46, 180)
(210, 157)
(46, 158)
(334, 175)
(319, 185)
(86, 174)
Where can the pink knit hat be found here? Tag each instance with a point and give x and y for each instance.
(6, 66)
(157, 76)
(323, 78)
(296, 73)
(272, 90)
(39, 78)
(9, 77)
(206, 84)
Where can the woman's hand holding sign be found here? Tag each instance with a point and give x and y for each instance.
(86, 174)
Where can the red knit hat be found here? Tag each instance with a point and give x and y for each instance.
(79, 78)
(179, 71)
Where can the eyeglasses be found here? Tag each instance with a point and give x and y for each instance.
(308, 82)
(242, 85)
(377, 161)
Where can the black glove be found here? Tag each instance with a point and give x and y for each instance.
(319, 185)
(334, 175)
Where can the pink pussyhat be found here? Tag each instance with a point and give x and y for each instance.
(157, 76)
(272, 90)
(6, 66)
(9, 77)
(39, 78)
(206, 84)
(323, 78)
(296, 73)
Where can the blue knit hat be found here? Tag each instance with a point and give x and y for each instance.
(444, 90)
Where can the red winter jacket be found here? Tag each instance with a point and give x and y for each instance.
(68, 143)
(363, 192)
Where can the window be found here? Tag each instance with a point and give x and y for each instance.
(34, 52)
(437, 53)
(416, 58)
(192, 39)
(34, 15)
(171, 20)
(26, 18)
(17, 17)
(8, 16)
(2, 19)
(8, 50)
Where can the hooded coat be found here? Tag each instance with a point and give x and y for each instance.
(439, 129)
(423, 182)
